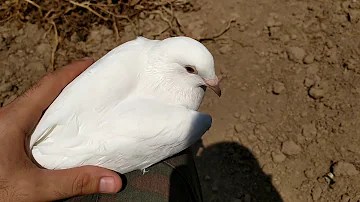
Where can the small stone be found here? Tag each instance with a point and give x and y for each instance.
(309, 59)
(238, 127)
(316, 93)
(316, 193)
(290, 148)
(5, 87)
(345, 169)
(296, 54)
(278, 87)
(278, 157)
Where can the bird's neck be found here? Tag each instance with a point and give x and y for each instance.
(169, 91)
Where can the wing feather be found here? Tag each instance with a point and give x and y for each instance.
(135, 135)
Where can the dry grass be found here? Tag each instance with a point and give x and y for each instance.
(66, 17)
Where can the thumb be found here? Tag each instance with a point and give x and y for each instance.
(60, 184)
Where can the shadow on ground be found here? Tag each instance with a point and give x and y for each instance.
(230, 172)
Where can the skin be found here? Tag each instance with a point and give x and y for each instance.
(20, 178)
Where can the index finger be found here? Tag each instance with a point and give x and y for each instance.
(39, 97)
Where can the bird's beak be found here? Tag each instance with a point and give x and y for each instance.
(214, 85)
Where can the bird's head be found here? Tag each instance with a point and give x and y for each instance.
(185, 63)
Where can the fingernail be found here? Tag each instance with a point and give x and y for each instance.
(107, 185)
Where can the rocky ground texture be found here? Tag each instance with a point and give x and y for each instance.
(286, 127)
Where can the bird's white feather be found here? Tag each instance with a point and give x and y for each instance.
(138, 134)
(119, 113)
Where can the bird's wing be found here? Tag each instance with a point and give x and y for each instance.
(133, 135)
(107, 82)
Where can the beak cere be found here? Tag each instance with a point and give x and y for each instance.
(214, 85)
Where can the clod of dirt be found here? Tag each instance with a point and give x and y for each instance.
(309, 59)
(278, 87)
(278, 157)
(345, 198)
(309, 131)
(345, 169)
(312, 70)
(5, 87)
(316, 93)
(237, 115)
(316, 193)
(225, 49)
(296, 54)
(290, 148)
(239, 127)
(308, 82)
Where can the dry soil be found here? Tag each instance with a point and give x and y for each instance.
(286, 127)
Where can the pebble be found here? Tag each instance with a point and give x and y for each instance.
(278, 157)
(345, 169)
(316, 93)
(296, 54)
(278, 87)
(236, 115)
(290, 148)
(309, 59)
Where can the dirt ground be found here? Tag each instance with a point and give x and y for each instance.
(286, 127)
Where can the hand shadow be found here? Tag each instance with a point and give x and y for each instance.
(233, 174)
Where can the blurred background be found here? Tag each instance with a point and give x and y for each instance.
(289, 70)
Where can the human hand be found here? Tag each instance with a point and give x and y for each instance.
(20, 178)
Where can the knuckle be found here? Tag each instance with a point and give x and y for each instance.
(81, 183)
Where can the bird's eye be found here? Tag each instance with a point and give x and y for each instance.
(191, 69)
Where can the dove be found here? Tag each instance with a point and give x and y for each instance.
(132, 108)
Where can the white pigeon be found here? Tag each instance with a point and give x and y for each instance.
(134, 107)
